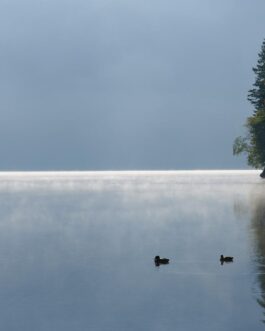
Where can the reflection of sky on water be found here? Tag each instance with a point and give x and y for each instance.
(76, 251)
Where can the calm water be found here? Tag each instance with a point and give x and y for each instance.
(76, 251)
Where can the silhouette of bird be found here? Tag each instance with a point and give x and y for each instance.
(159, 261)
(226, 258)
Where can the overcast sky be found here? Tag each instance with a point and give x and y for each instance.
(125, 84)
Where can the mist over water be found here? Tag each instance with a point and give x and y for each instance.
(77, 249)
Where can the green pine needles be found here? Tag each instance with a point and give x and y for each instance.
(253, 144)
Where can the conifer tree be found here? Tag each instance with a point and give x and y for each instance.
(253, 144)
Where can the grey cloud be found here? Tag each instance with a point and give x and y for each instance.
(119, 85)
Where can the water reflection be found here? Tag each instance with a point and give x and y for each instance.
(76, 251)
(258, 228)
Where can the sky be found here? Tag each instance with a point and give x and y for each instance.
(126, 85)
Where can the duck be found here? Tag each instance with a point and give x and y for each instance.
(159, 261)
(226, 258)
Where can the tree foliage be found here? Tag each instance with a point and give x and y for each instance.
(253, 144)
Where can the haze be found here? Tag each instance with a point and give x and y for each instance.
(106, 85)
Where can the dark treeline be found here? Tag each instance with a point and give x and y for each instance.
(253, 143)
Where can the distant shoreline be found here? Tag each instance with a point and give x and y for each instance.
(133, 172)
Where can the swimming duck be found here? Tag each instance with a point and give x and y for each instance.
(226, 258)
(159, 261)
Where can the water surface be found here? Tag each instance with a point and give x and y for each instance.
(76, 251)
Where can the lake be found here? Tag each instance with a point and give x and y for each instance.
(77, 250)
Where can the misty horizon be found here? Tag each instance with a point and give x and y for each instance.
(113, 86)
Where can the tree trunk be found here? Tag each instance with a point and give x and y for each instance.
(262, 175)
